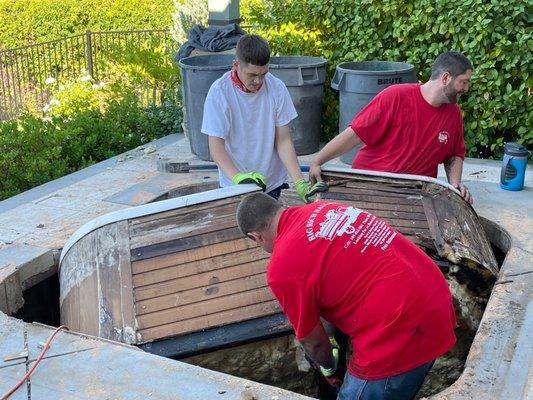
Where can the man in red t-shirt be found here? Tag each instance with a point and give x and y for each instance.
(343, 264)
(410, 128)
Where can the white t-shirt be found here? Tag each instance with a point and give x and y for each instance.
(247, 121)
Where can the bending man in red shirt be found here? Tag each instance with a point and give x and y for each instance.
(410, 128)
(343, 264)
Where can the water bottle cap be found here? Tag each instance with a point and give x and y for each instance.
(516, 149)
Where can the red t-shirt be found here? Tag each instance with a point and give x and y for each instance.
(401, 132)
(351, 268)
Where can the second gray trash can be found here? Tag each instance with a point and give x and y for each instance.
(197, 75)
(358, 82)
(304, 77)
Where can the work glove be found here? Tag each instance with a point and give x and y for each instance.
(307, 192)
(250, 177)
(330, 374)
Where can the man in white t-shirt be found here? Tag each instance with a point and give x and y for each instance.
(246, 116)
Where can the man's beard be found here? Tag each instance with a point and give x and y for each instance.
(451, 94)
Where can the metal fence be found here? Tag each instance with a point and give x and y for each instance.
(24, 70)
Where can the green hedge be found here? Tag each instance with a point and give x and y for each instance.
(29, 21)
(87, 121)
(493, 34)
(35, 150)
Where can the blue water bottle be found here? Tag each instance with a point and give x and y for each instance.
(514, 165)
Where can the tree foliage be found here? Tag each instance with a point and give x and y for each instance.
(25, 22)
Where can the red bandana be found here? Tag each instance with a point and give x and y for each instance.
(237, 82)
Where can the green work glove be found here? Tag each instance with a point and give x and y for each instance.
(250, 177)
(329, 372)
(306, 192)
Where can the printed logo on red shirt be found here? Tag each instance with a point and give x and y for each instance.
(338, 222)
(443, 137)
(342, 222)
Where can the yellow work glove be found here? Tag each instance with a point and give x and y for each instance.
(250, 177)
(307, 192)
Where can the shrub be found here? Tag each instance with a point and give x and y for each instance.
(29, 21)
(30, 154)
(493, 34)
(154, 77)
(85, 122)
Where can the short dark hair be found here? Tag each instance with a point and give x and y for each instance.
(253, 49)
(451, 61)
(255, 212)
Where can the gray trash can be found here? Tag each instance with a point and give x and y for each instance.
(197, 75)
(358, 82)
(304, 77)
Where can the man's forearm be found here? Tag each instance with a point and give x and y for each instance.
(318, 347)
(340, 144)
(221, 157)
(454, 170)
(286, 152)
(321, 354)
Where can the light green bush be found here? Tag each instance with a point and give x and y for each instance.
(29, 21)
(494, 34)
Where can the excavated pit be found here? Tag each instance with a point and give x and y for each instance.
(280, 361)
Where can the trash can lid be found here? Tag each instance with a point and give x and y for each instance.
(373, 67)
(296, 62)
(211, 62)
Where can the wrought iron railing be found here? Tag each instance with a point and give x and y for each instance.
(24, 70)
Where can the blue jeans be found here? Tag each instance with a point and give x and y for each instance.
(398, 387)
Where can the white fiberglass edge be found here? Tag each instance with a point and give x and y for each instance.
(154, 208)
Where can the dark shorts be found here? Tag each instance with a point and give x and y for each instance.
(277, 191)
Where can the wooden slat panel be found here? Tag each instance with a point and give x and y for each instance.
(391, 182)
(459, 235)
(182, 226)
(180, 233)
(391, 193)
(414, 231)
(200, 294)
(411, 216)
(382, 198)
(192, 255)
(192, 215)
(374, 205)
(405, 223)
(211, 263)
(372, 188)
(183, 210)
(187, 243)
(199, 280)
(207, 307)
(208, 321)
(381, 210)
